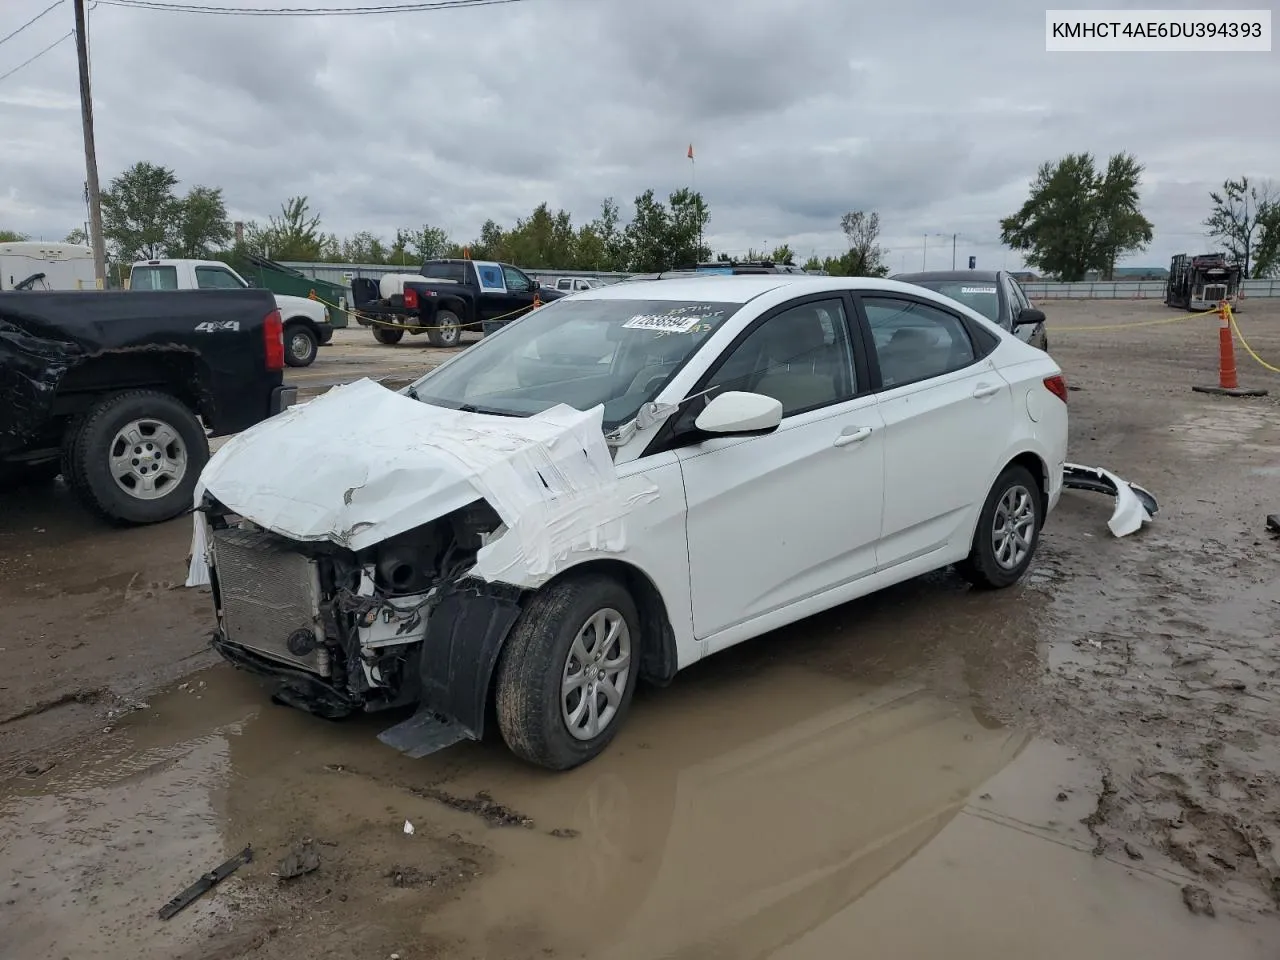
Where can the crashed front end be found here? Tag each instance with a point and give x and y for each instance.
(368, 551)
(344, 631)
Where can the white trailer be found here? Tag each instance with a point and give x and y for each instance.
(35, 265)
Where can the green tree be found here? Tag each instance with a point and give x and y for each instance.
(295, 234)
(813, 263)
(202, 225)
(140, 212)
(9, 236)
(865, 257)
(1245, 219)
(412, 247)
(783, 254)
(616, 254)
(77, 236)
(647, 235)
(1076, 219)
(363, 247)
(686, 224)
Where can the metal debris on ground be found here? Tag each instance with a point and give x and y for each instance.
(206, 883)
(1273, 522)
(1134, 505)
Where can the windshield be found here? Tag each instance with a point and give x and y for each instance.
(977, 295)
(619, 353)
(153, 278)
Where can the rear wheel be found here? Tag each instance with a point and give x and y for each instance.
(137, 456)
(300, 345)
(568, 672)
(446, 331)
(387, 333)
(1008, 531)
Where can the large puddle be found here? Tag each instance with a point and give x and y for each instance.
(770, 809)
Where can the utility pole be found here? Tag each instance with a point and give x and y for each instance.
(924, 253)
(953, 251)
(90, 152)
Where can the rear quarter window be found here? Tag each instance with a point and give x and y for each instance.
(154, 278)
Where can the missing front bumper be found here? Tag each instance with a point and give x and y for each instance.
(1134, 505)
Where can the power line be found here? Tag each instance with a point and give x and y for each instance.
(61, 39)
(38, 55)
(413, 6)
(51, 6)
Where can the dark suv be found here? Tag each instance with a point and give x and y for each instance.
(993, 293)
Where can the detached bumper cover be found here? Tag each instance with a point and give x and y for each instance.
(1134, 505)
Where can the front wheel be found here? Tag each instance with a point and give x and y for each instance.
(568, 672)
(1008, 531)
(446, 331)
(136, 457)
(300, 345)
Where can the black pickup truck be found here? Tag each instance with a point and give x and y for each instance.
(119, 391)
(446, 297)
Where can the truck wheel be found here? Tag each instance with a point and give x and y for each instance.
(446, 331)
(385, 334)
(137, 456)
(300, 345)
(568, 671)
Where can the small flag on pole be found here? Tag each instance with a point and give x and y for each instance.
(691, 151)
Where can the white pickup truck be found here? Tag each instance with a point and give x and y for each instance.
(306, 321)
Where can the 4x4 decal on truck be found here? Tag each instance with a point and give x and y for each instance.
(214, 326)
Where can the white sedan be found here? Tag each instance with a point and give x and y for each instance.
(615, 486)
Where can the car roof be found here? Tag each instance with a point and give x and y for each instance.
(722, 288)
(982, 276)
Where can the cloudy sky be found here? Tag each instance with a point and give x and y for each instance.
(934, 114)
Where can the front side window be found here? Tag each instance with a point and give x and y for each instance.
(516, 281)
(800, 357)
(915, 341)
(619, 353)
(215, 278)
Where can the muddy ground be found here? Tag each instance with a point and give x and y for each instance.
(1086, 764)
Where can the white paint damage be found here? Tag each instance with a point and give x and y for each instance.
(362, 463)
(1130, 510)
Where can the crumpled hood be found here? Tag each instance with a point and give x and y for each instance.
(362, 463)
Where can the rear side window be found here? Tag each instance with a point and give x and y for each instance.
(457, 272)
(154, 278)
(915, 342)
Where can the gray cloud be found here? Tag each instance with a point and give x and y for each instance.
(934, 114)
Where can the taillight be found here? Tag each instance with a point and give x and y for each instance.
(410, 298)
(273, 340)
(1057, 386)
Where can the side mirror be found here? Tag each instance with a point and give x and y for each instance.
(1027, 316)
(737, 412)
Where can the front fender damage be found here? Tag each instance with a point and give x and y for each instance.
(1134, 505)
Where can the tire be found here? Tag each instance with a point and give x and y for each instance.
(152, 417)
(534, 662)
(446, 331)
(384, 334)
(984, 568)
(300, 345)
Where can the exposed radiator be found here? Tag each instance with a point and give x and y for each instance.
(1215, 292)
(269, 594)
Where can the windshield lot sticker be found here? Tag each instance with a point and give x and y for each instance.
(664, 323)
(977, 289)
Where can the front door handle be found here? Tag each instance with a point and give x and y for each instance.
(984, 390)
(853, 436)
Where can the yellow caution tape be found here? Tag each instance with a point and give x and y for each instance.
(1231, 318)
(1136, 323)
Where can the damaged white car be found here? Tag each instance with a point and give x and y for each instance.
(615, 486)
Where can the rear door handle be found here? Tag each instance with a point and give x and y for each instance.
(984, 390)
(854, 435)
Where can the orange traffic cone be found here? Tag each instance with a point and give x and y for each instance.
(1228, 384)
